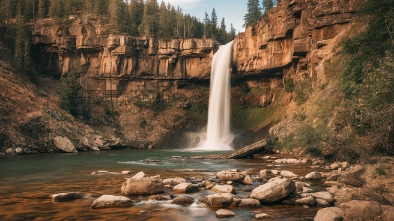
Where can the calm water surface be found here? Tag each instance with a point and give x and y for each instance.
(26, 182)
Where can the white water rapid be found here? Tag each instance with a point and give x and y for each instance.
(218, 135)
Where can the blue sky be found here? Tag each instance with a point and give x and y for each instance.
(232, 11)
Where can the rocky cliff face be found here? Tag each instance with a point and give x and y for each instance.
(148, 83)
(294, 44)
(157, 87)
(85, 46)
(294, 36)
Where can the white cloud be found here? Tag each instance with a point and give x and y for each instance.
(185, 4)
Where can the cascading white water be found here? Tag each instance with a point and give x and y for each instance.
(218, 128)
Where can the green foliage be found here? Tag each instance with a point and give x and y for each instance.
(267, 5)
(214, 24)
(307, 135)
(43, 6)
(252, 117)
(380, 170)
(302, 91)
(135, 10)
(118, 18)
(158, 105)
(368, 80)
(314, 151)
(300, 116)
(253, 14)
(134, 17)
(289, 85)
(71, 98)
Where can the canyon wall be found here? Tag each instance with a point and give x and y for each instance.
(144, 79)
(157, 87)
(295, 35)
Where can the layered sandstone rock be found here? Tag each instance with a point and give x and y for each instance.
(295, 34)
(292, 41)
(86, 46)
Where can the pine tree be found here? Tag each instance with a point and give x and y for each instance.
(56, 9)
(172, 26)
(28, 8)
(19, 42)
(42, 11)
(178, 21)
(253, 14)
(164, 30)
(214, 23)
(222, 37)
(100, 7)
(232, 33)
(144, 28)
(198, 30)
(136, 11)
(69, 94)
(267, 5)
(7, 9)
(22, 44)
(149, 22)
(207, 21)
(113, 15)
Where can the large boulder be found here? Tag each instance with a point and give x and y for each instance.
(287, 174)
(64, 197)
(249, 203)
(223, 213)
(183, 200)
(321, 195)
(260, 216)
(230, 175)
(110, 201)
(273, 191)
(174, 181)
(388, 213)
(64, 144)
(327, 196)
(313, 176)
(266, 174)
(248, 180)
(185, 188)
(138, 175)
(218, 200)
(310, 201)
(329, 214)
(361, 210)
(223, 189)
(142, 186)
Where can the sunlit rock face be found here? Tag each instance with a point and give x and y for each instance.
(149, 82)
(295, 32)
(86, 46)
(292, 41)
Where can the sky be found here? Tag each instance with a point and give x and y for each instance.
(232, 11)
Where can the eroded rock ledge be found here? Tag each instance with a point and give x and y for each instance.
(293, 37)
(292, 41)
(86, 46)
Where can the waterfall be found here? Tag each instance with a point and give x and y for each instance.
(218, 135)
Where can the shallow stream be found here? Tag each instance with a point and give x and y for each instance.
(26, 182)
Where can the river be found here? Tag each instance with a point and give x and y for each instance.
(26, 182)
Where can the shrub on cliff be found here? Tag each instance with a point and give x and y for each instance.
(368, 79)
(70, 96)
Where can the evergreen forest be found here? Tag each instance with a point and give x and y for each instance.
(149, 18)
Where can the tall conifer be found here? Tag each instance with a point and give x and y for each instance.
(253, 14)
(267, 5)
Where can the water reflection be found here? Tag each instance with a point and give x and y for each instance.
(26, 182)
